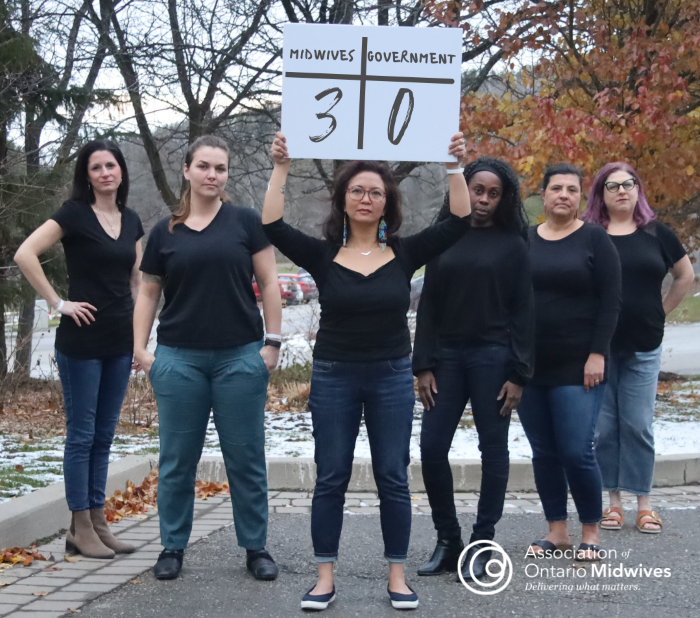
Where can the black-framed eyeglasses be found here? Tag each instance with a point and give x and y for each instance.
(358, 193)
(614, 187)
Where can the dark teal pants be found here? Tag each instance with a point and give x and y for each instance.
(188, 385)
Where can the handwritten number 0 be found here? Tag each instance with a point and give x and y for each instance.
(339, 95)
(395, 111)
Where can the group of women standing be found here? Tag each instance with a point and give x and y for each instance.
(510, 318)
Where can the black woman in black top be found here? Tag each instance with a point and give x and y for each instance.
(576, 281)
(648, 250)
(474, 341)
(361, 357)
(101, 238)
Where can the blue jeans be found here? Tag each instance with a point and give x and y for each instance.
(476, 372)
(187, 384)
(559, 422)
(93, 392)
(624, 434)
(339, 392)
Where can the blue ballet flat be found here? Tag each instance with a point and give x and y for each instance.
(403, 601)
(317, 602)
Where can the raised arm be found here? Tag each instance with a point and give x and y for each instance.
(460, 204)
(27, 258)
(273, 206)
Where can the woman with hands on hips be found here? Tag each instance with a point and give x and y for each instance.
(211, 353)
(361, 362)
(101, 238)
(474, 342)
(576, 282)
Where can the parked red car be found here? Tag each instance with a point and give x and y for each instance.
(306, 282)
(288, 293)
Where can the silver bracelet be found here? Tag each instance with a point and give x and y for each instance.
(459, 170)
(273, 337)
(269, 186)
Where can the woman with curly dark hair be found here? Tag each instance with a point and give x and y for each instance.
(474, 342)
(361, 357)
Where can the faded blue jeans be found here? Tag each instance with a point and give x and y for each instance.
(624, 434)
(93, 392)
(559, 422)
(188, 384)
(339, 393)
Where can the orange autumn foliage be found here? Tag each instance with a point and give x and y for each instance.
(595, 82)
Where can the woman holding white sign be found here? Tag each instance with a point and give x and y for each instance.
(361, 357)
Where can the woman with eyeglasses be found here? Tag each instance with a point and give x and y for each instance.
(363, 271)
(648, 250)
(576, 282)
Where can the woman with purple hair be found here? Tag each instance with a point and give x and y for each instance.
(648, 250)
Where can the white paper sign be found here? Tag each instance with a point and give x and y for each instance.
(363, 92)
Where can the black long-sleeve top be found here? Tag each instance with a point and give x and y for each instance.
(363, 318)
(479, 291)
(576, 281)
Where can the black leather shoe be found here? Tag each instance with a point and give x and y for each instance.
(479, 564)
(444, 557)
(261, 565)
(169, 564)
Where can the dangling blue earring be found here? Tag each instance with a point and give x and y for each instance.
(345, 229)
(382, 234)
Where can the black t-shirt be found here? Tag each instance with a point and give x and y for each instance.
(645, 256)
(363, 318)
(99, 273)
(479, 291)
(207, 280)
(576, 281)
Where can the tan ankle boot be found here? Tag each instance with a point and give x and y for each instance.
(82, 538)
(99, 523)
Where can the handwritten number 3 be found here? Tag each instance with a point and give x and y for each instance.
(334, 123)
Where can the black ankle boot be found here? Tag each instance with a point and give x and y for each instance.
(444, 557)
(261, 565)
(169, 564)
(478, 563)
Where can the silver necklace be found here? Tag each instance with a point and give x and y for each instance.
(113, 234)
(362, 252)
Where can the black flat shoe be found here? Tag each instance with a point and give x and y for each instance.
(317, 602)
(169, 564)
(478, 565)
(444, 558)
(261, 565)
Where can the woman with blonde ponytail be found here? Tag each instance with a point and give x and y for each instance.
(211, 353)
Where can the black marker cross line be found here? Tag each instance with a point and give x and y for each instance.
(363, 78)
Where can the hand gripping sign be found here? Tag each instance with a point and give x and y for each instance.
(362, 92)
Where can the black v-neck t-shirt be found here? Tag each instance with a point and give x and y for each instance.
(645, 256)
(207, 279)
(99, 273)
(363, 318)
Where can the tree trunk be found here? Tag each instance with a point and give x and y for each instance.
(3, 346)
(23, 348)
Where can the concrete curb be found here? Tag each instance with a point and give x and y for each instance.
(299, 474)
(44, 512)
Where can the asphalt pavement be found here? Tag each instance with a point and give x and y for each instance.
(215, 584)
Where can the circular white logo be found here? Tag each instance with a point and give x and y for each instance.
(499, 567)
